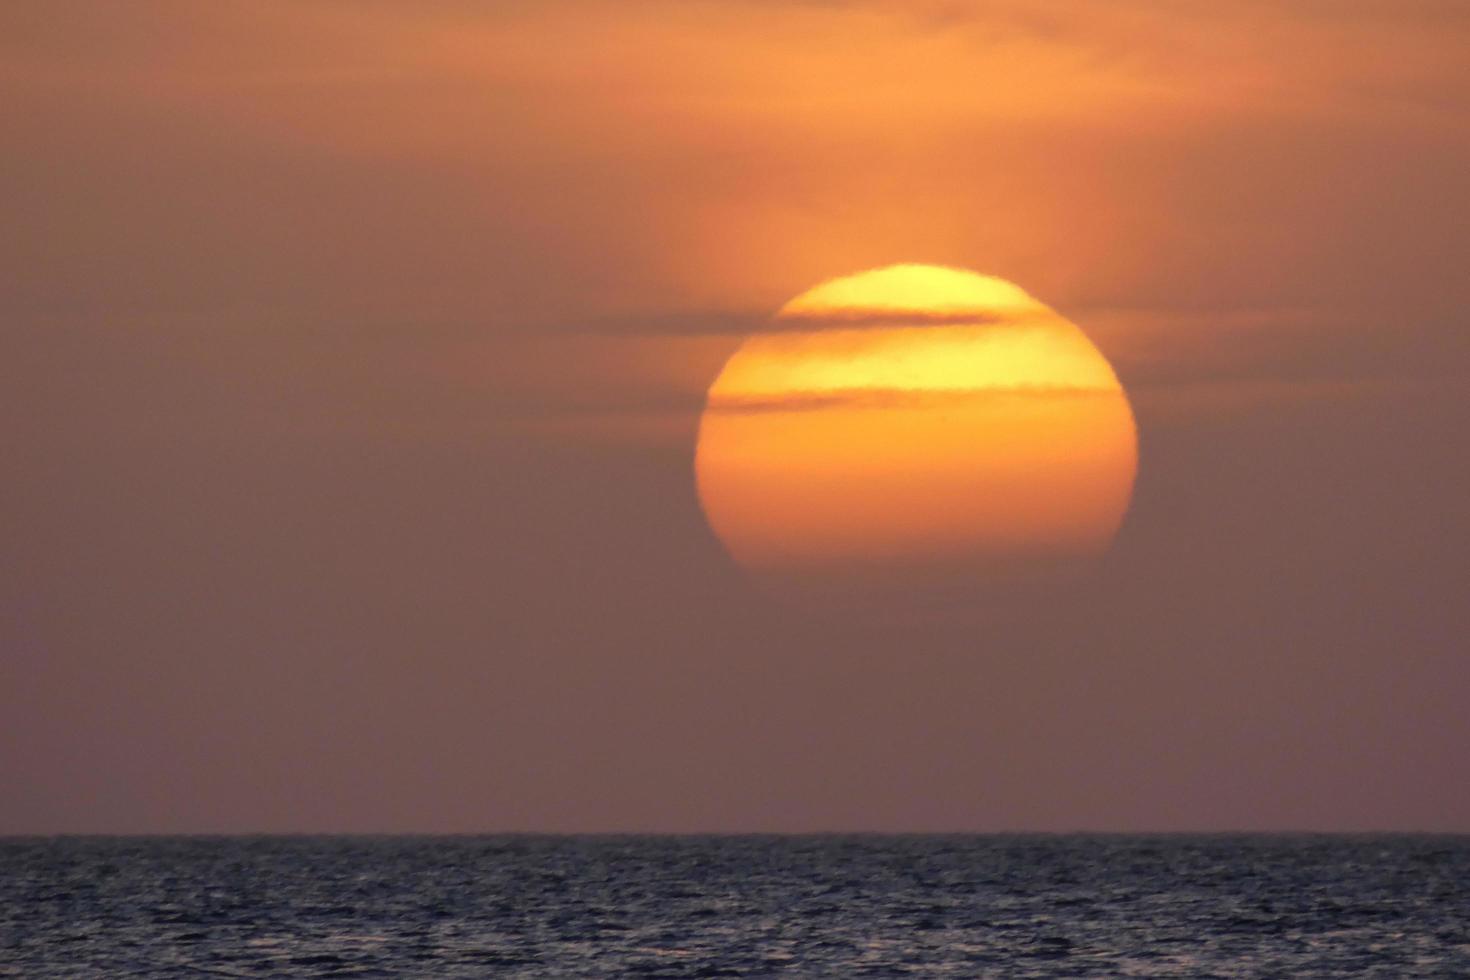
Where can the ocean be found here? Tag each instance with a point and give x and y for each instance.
(736, 906)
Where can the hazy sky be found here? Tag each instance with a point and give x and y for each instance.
(351, 355)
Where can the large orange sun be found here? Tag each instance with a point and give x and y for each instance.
(915, 421)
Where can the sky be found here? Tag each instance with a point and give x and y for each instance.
(352, 356)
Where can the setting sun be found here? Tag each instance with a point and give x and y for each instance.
(920, 415)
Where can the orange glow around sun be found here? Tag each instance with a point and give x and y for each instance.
(916, 416)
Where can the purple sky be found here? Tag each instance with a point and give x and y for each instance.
(351, 357)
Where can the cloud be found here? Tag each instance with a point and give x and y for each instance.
(895, 398)
(846, 319)
(716, 323)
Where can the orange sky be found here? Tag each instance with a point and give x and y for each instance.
(353, 354)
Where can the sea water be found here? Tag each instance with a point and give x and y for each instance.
(737, 906)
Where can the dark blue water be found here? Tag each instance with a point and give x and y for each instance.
(923, 906)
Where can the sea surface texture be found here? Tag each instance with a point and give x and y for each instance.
(821, 906)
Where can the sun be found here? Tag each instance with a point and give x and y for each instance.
(915, 420)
